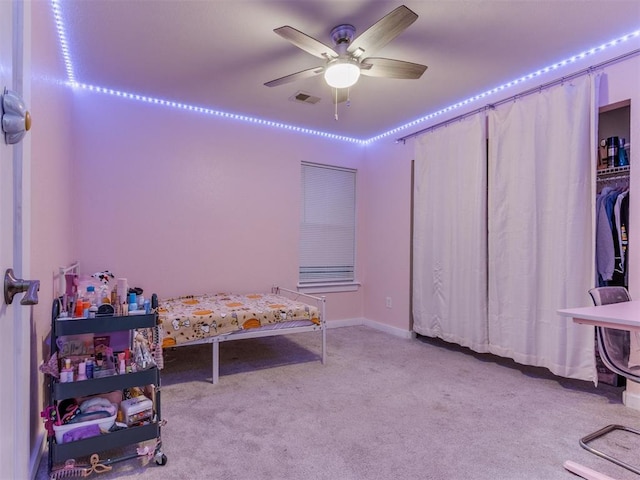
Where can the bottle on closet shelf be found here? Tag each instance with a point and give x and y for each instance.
(623, 159)
(613, 144)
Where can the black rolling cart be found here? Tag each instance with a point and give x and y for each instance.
(63, 455)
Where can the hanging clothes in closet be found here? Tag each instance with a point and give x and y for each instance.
(612, 227)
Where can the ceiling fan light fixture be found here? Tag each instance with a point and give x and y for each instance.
(342, 74)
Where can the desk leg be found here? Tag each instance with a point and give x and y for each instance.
(631, 395)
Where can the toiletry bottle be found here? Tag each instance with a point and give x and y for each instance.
(82, 371)
(104, 295)
(89, 367)
(92, 297)
(66, 375)
(133, 302)
(79, 307)
(63, 375)
(127, 361)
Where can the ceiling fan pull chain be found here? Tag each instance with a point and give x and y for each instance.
(336, 105)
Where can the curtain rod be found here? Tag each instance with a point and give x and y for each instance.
(512, 98)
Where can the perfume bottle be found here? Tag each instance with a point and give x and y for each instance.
(613, 144)
(623, 158)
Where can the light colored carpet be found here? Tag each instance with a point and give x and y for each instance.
(381, 408)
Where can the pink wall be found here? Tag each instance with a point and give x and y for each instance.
(51, 138)
(51, 165)
(182, 203)
(387, 223)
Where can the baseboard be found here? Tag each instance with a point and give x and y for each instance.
(395, 331)
(36, 455)
(354, 322)
(346, 322)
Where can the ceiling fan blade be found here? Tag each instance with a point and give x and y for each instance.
(308, 73)
(390, 68)
(339, 95)
(382, 32)
(306, 43)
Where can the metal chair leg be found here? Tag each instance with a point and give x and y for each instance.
(584, 443)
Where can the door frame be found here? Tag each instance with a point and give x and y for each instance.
(20, 459)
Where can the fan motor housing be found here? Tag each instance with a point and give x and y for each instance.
(343, 34)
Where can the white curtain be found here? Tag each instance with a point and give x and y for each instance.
(450, 231)
(540, 207)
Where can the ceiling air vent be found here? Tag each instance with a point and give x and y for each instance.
(304, 97)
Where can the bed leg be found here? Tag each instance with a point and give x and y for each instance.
(216, 363)
(323, 312)
(324, 344)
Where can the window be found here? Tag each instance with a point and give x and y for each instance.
(327, 225)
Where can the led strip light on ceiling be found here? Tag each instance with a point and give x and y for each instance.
(71, 81)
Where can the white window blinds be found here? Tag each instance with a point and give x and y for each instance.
(327, 224)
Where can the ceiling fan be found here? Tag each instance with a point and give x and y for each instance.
(350, 56)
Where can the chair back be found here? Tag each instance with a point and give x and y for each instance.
(608, 295)
(614, 344)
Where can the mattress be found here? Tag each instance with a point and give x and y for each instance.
(194, 318)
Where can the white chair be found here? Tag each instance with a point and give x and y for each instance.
(613, 346)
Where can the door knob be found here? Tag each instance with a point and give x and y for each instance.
(13, 286)
(16, 119)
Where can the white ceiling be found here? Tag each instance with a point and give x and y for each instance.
(219, 53)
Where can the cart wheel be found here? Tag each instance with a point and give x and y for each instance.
(161, 458)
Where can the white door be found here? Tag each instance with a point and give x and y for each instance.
(14, 319)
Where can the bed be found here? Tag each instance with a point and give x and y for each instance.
(223, 317)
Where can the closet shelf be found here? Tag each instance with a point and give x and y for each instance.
(613, 171)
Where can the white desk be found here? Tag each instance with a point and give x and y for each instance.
(623, 315)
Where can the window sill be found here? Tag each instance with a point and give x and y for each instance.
(328, 287)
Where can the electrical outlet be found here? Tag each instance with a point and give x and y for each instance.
(388, 302)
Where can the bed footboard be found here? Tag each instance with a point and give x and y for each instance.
(320, 303)
(286, 328)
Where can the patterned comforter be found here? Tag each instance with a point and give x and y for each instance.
(196, 317)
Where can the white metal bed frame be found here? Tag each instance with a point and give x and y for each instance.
(270, 330)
